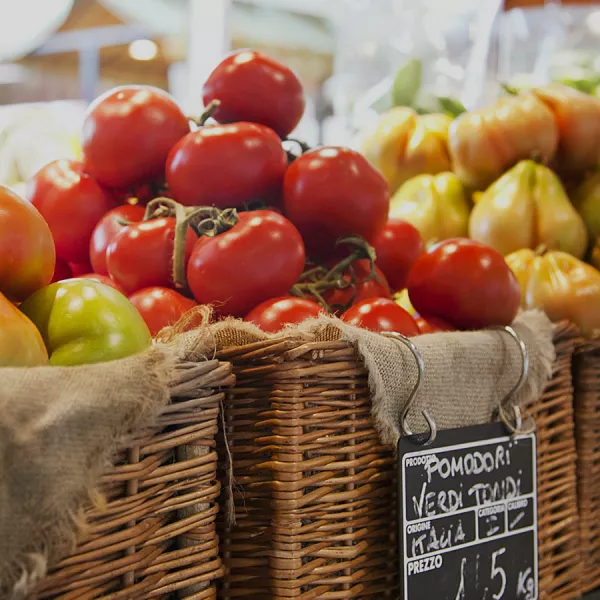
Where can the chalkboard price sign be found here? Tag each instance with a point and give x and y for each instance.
(468, 516)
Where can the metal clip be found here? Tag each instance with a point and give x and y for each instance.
(517, 427)
(404, 428)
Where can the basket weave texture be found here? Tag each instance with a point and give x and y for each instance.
(560, 573)
(587, 423)
(314, 490)
(156, 534)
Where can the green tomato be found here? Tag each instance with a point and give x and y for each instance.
(83, 321)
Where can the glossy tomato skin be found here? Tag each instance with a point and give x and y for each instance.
(334, 192)
(84, 322)
(160, 307)
(141, 255)
(376, 287)
(273, 315)
(466, 283)
(253, 87)
(261, 257)
(72, 203)
(381, 314)
(398, 245)
(101, 279)
(106, 229)
(27, 255)
(226, 165)
(21, 344)
(128, 133)
(432, 325)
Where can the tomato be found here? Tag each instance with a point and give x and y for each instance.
(141, 255)
(78, 269)
(21, 344)
(84, 321)
(101, 279)
(465, 283)
(398, 245)
(273, 315)
(62, 270)
(72, 203)
(253, 87)
(226, 165)
(128, 133)
(27, 254)
(377, 287)
(381, 314)
(333, 192)
(260, 257)
(160, 307)
(432, 325)
(106, 229)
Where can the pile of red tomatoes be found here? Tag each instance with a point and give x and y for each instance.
(228, 211)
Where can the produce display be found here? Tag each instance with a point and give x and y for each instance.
(443, 224)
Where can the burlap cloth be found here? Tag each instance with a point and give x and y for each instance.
(59, 426)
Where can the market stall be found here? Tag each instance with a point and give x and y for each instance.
(235, 366)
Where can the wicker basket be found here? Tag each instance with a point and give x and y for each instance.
(314, 490)
(560, 572)
(587, 423)
(157, 534)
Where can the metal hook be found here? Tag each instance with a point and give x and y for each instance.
(517, 428)
(404, 428)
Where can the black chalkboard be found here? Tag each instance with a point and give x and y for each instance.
(468, 516)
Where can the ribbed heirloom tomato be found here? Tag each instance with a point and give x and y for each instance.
(226, 165)
(253, 87)
(466, 283)
(333, 192)
(260, 257)
(128, 133)
(273, 315)
(72, 203)
(26, 248)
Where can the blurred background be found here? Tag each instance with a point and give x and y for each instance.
(355, 58)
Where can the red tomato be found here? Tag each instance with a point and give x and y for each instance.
(253, 87)
(141, 255)
(80, 268)
(333, 192)
(62, 271)
(260, 257)
(106, 229)
(72, 203)
(101, 279)
(27, 254)
(465, 283)
(128, 133)
(160, 307)
(398, 245)
(226, 165)
(381, 314)
(377, 287)
(432, 325)
(272, 315)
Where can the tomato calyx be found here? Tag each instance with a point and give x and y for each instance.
(319, 278)
(203, 220)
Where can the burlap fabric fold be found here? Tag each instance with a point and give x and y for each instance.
(59, 426)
